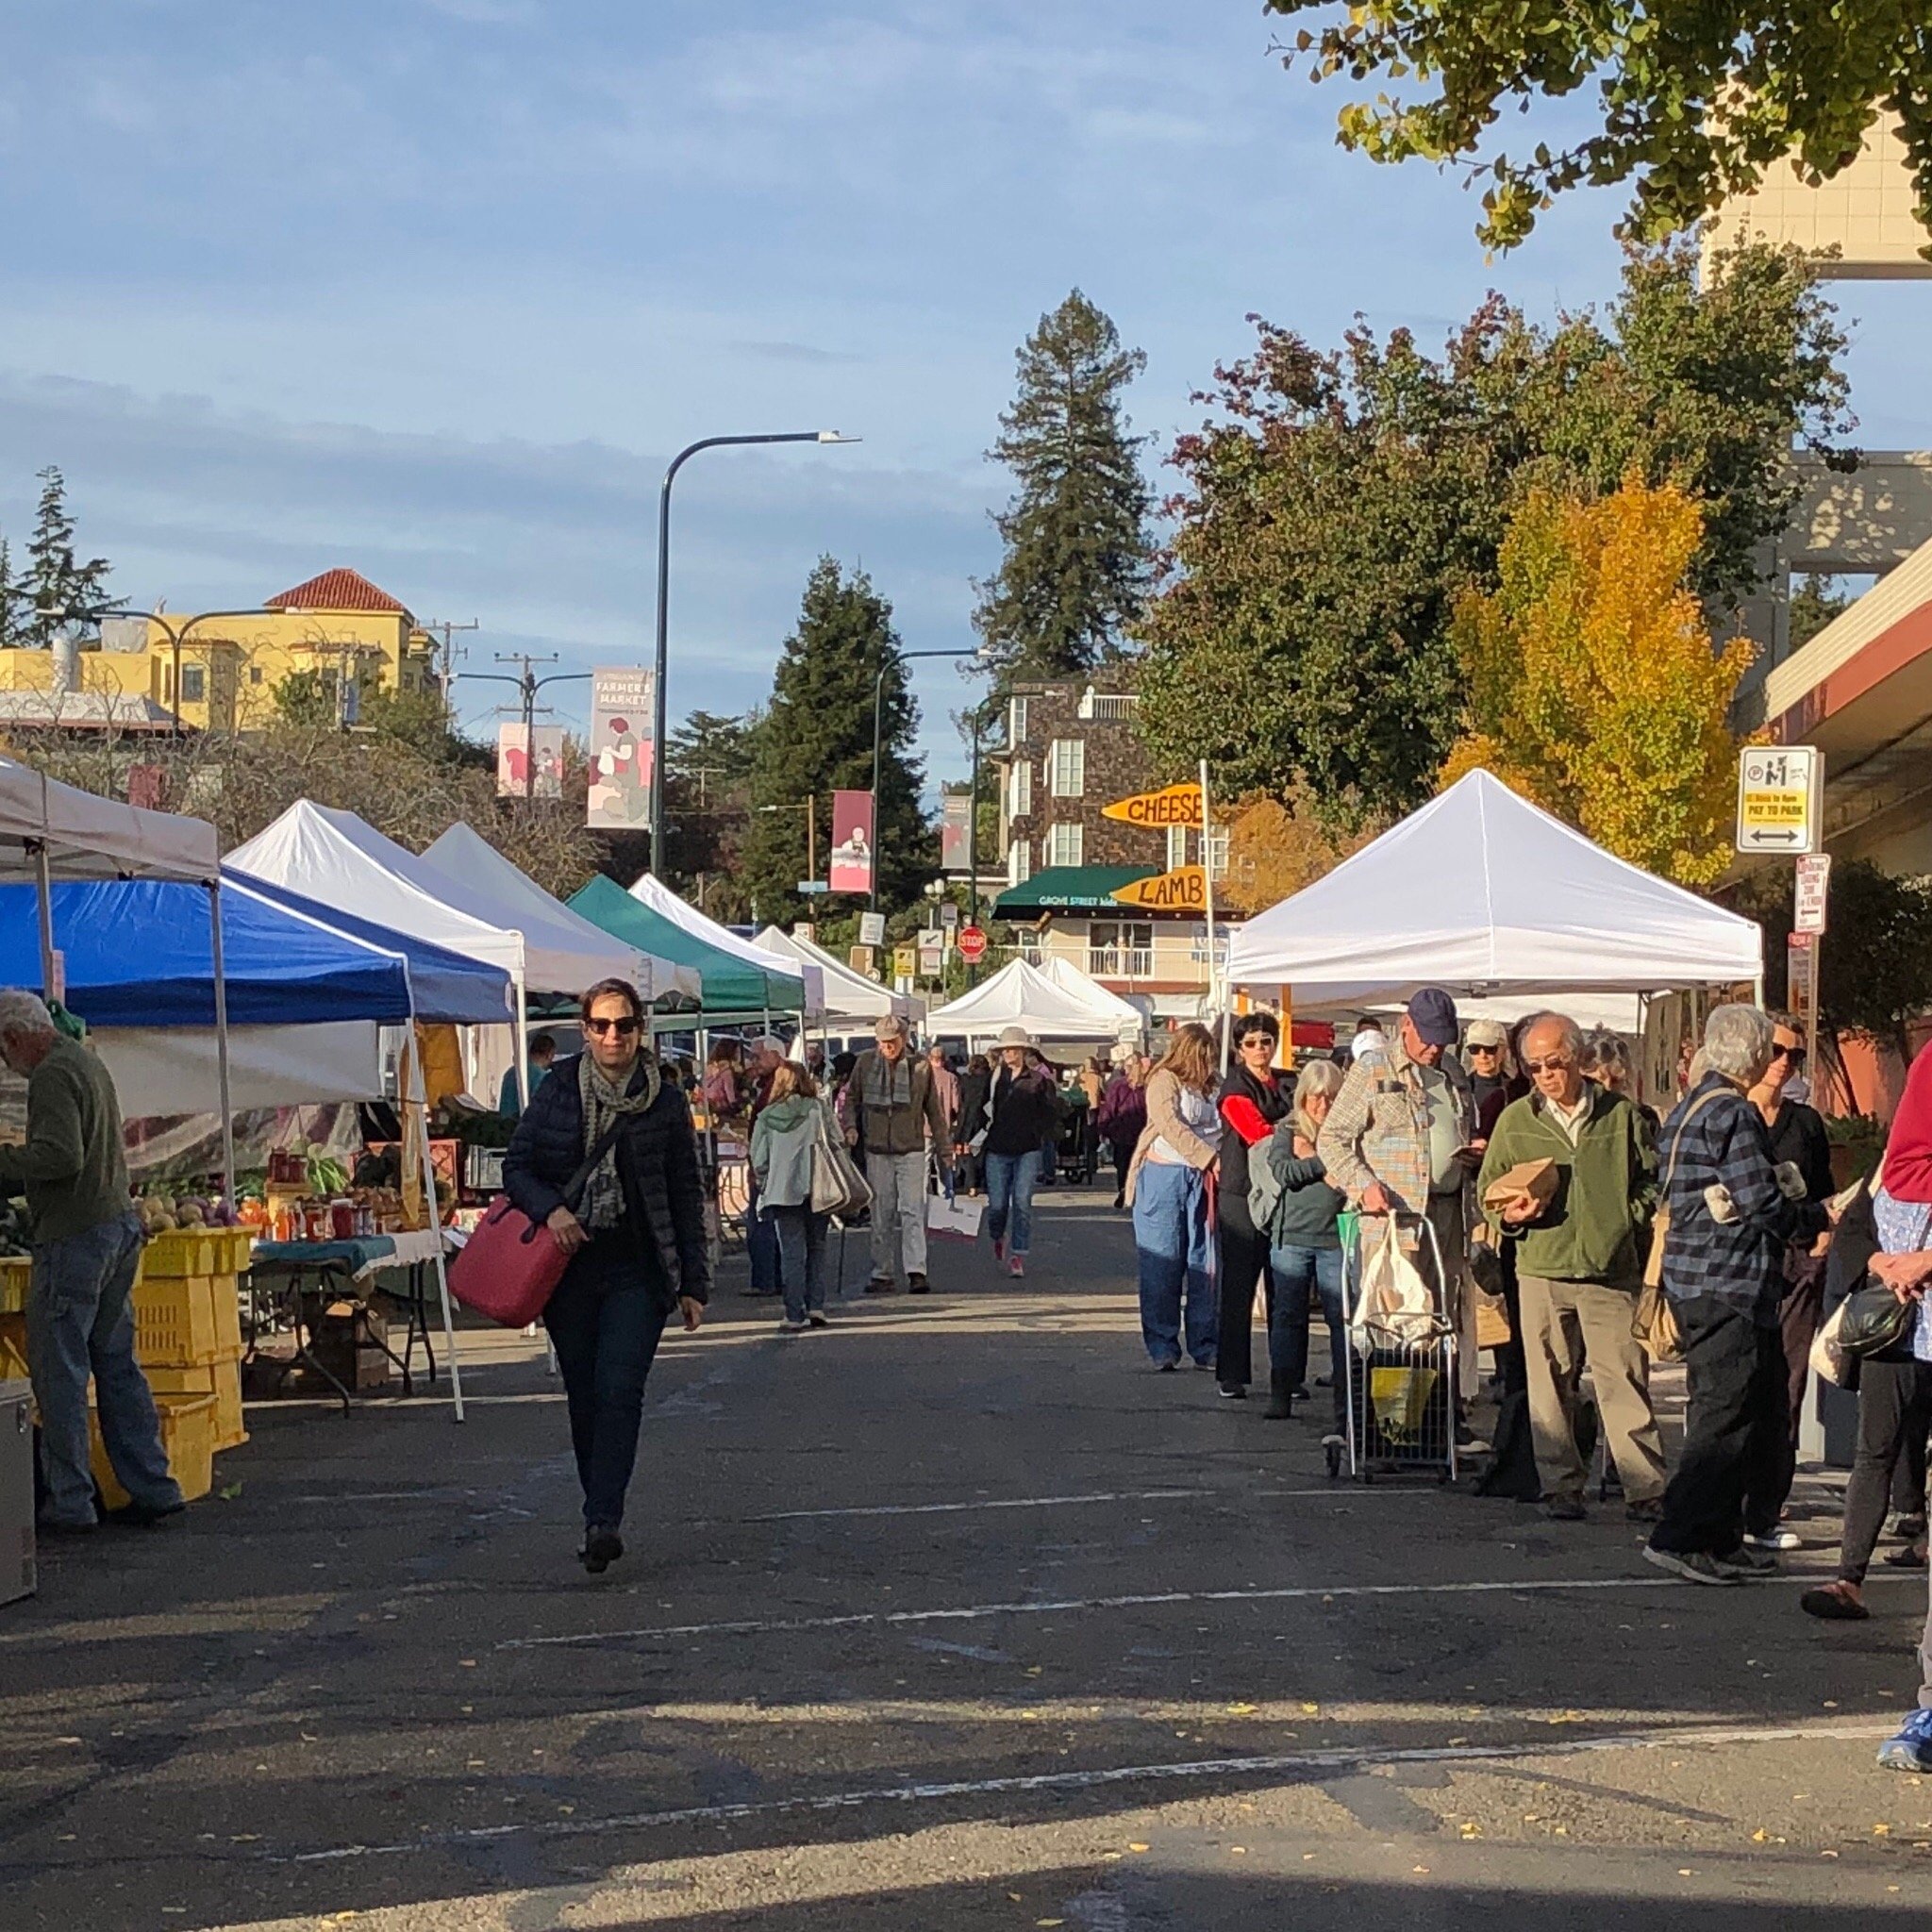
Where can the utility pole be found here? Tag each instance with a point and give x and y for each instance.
(449, 658)
(528, 686)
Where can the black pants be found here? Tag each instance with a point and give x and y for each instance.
(1894, 1416)
(1736, 1434)
(605, 1322)
(1123, 1160)
(1244, 1263)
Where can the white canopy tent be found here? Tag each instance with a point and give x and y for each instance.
(1126, 1017)
(1484, 893)
(667, 905)
(849, 998)
(481, 880)
(1020, 995)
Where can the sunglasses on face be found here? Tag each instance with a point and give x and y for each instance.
(1256, 1041)
(1794, 1055)
(621, 1028)
(1474, 1048)
(1554, 1065)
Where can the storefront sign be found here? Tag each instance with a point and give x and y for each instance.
(1177, 805)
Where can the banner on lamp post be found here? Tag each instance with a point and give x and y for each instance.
(621, 750)
(851, 869)
(956, 832)
(532, 768)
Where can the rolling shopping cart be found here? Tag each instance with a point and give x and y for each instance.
(1402, 1366)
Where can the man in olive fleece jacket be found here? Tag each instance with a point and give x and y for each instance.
(87, 1242)
(1579, 1266)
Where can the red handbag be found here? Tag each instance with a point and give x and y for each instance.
(509, 1267)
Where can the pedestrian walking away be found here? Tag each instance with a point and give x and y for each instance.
(975, 1085)
(1730, 1220)
(86, 1242)
(767, 1055)
(788, 1129)
(1122, 1114)
(1252, 1099)
(1401, 1139)
(636, 1239)
(1797, 1138)
(1020, 1113)
(1305, 1246)
(895, 1112)
(1580, 1243)
(1170, 1191)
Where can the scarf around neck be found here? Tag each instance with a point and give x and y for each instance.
(602, 1205)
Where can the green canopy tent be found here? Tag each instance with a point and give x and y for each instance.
(734, 988)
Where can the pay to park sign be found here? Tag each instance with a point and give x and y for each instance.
(1777, 798)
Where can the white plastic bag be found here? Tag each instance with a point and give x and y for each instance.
(1395, 1308)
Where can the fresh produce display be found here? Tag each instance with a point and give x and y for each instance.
(161, 1213)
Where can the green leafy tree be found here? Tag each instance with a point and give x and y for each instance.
(1074, 573)
(61, 588)
(1692, 104)
(1814, 604)
(708, 771)
(816, 738)
(1336, 507)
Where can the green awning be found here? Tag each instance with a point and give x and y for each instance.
(1071, 888)
(731, 984)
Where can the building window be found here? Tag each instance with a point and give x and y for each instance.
(1122, 950)
(1066, 844)
(1214, 841)
(193, 683)
(1177, 847)
(1016, 723)
(1067, 768)
(1019, 863)
(255, 674)
(1019, 790)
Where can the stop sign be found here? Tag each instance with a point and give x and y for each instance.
(972, 944)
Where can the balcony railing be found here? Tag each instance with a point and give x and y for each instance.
(1109, 708)
(1120, 962)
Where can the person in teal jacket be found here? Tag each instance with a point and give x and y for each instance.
(542, 1052)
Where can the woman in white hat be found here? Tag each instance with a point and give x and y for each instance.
(1020, 1116)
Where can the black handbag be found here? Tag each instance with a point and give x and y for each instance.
(1873, 1320)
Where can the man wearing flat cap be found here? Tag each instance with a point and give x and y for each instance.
(1400, 1139)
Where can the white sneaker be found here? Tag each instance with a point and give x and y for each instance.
(1777, 1540)
(788, 1327)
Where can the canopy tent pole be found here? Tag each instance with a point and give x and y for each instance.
(520, 1030)
(417, 1101)
(46, 908)
(231, 1181)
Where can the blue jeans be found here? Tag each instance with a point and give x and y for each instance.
(1296, 1271)
(1011, 1179)
(79, 1323)
(760, 1246)
(605, 1322)
(1175, 1242)
(801, 1238)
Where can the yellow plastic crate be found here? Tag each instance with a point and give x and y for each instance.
(184, 1251)
(223, 1380)
(188, 1437)
(15, 1272)
(180, 1322)
(13, 1348)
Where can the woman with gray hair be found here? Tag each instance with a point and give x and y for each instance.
(1730, 1219)
(1305, 1248)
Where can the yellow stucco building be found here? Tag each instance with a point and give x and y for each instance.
(337, 624)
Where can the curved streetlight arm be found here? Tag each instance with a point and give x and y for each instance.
(658, 708)
(175, 633)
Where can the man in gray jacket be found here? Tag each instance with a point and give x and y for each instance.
(895, 1105)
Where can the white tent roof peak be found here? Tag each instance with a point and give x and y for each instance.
(664, 902)
(1090, 992)
(848, 996)
(1482, 891)
(1021, 994)
(92, 838)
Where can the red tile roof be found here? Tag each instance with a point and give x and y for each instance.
(337, 589)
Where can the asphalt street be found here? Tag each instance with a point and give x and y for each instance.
(954, 1615)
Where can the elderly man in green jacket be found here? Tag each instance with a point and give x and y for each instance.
(1579, 1266)
(86, 1248)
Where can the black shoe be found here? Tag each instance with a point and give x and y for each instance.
(601, 1548)
(1301, 1391)
(882, 1284)
(917, 1284)
(1234, 1391)
(1564, 1509)
(144, 1515)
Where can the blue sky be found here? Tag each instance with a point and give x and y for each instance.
(434, 288)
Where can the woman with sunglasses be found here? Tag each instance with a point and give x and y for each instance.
(1797, 1136)
(633, 1228)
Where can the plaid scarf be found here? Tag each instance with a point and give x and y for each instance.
(602, 1205)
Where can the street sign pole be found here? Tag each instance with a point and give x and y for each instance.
(1810, 902)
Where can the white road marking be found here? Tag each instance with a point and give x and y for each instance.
(760, 1626)
(1065, 1502)
(1285, 1763)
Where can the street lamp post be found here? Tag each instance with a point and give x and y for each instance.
(657, 705)
(878, 714)
(809, 805)
(174, 637)
(527, 687)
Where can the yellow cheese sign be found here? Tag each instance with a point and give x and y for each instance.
(1178, 805)
(1184, 889)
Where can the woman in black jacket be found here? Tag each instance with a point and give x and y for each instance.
(1022, 1113)
(1251, 1100)
(974, 1084)
(633, 1226)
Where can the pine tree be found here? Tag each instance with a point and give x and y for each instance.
(1075, 571)
(12, 596)
(61, 589)
(816, 738)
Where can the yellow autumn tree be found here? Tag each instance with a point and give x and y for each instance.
(1593, 687)
(1276, 846)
